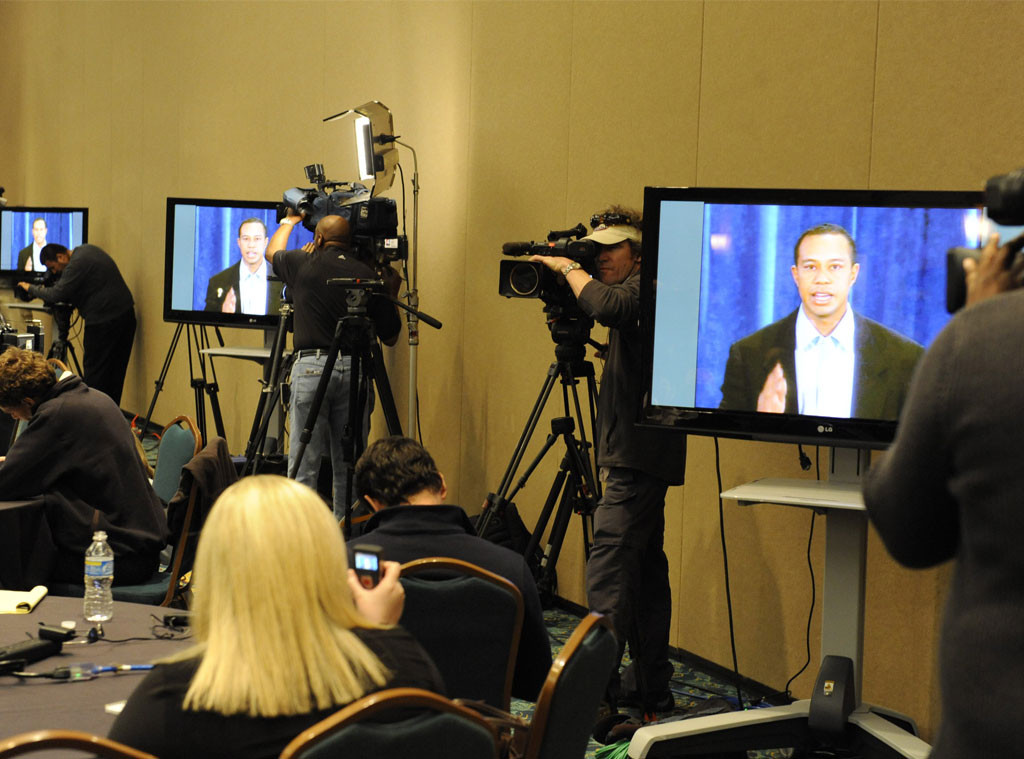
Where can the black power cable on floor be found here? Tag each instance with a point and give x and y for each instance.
(725, 562)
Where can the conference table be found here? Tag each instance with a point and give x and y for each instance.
(37, 704)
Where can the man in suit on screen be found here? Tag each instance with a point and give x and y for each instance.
(243, 287)
(822, 359)
(28, 257)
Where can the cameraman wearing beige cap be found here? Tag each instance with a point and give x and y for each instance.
(627, 573)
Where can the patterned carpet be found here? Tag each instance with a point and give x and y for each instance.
(690, 687)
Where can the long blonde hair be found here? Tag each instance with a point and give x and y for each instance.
(273, 612)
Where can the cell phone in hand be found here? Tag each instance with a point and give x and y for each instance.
(367, 564)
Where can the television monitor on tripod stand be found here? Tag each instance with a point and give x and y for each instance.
(206, 240)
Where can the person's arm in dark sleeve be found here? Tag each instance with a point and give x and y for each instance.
(27, 470)
(615, 306)
(64, 290)
(279, 240)
(906, 493)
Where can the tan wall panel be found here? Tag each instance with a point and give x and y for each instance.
(786, 93)
(945, 114)
(516, 184)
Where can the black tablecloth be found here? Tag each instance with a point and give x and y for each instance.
(27, 550)
(39, 704)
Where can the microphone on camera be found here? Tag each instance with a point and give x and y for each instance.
(516, 248)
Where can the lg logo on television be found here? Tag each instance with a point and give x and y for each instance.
(824, 428)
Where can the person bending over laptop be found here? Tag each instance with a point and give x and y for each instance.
(78, 450)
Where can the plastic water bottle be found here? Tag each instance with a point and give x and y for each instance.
(99, 576)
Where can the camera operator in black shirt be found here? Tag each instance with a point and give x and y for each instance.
(91, 282)
(317, 308)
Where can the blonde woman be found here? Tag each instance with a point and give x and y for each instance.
(286, 635)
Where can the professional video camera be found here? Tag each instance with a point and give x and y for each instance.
(42, 278)
(374, 220)
(1004, 205)
(529, 279)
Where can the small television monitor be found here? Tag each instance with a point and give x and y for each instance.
(739, 340)
(24, 230)
(215, 272)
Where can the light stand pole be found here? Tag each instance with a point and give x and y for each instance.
(412, 296)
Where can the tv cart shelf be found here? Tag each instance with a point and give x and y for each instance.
(876, 731)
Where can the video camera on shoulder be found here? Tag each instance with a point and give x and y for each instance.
(1004, 209)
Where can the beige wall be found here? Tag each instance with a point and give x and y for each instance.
(526, 116)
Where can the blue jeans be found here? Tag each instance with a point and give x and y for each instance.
(326, 439)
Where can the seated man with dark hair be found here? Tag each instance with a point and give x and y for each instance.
(78, 451)
(399, 480)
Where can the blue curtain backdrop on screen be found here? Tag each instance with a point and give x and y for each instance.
(746, 282)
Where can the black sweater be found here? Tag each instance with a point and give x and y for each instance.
(153, 719)
(950, 488)
(79, 452)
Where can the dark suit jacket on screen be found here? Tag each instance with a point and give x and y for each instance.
(883, 365)
(23, 256)
(222, 282)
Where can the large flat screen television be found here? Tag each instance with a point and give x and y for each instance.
(24, 230)
(215, 273)
(740, 339)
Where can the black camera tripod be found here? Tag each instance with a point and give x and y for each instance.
(575, 488)
(367, 366)
(61, 347)
(278, 366)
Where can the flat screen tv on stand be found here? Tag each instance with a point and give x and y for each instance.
(724, 305)
(206, 242)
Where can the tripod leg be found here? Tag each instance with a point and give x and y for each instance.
(160, 380)
(542, 521)
(218, 420)
(547, 584)
(387, 399)
(255, 454)
(497, 500)
(272, 371)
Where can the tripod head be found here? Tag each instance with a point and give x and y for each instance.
(570, 331)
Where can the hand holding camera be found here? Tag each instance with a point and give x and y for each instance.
(996, 271)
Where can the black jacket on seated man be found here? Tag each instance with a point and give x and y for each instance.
(78, 451)
(406, 533)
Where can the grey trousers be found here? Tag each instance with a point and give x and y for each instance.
(627, 577)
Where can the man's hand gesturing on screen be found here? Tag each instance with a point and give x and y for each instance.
(228, 306)
(773, 395)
